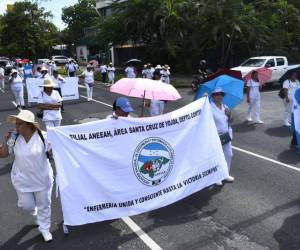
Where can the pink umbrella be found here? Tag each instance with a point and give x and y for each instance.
(264, 75)
(146, 89)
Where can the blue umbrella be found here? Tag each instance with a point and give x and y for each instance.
(233, 88)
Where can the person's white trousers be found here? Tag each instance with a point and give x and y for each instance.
(254, 104)
(288, 107)
(111, 78)
(89, 91)
(157, 107)
(19, 95)
(227, 150)
(55, 123)
(38, 204)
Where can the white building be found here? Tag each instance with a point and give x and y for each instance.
(104, 7)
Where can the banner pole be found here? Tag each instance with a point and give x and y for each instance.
(143, 104)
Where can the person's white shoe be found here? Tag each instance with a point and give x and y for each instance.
(249, 119)
(219, 183)
(230, 179)
(260, 122)
(46, 235)
(287, 124)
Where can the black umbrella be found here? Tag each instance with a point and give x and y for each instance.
(287, 74)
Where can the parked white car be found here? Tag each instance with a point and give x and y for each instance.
(278, 65)
(60, 59)
(43, 61)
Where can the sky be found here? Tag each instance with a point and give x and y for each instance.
(55, 6)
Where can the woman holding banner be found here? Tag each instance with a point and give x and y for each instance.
(89, 81)
(49, 104)
(17, 88)
(222, 117)
(58, 80)
(31, 175)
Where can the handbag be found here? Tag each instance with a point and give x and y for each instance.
(225, 138)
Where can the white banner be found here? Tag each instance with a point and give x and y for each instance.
(110, 168)
(34, 88)
(69, 88)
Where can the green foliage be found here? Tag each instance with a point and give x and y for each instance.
(27, 31)
(80, 18)
(183, 31)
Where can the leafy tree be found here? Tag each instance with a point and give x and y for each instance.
(182, 32)
(79, 19)
(27, 31)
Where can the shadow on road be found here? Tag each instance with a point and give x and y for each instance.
(183, 211)
(288, 235)
(92, 236)
(243, 127)
(289, 156)
(281, 131)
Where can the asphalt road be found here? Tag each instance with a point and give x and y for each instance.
(260, 210)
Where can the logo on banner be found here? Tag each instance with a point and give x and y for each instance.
(153, 160)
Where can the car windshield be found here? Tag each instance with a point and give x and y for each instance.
(60, 57)
(253, 63)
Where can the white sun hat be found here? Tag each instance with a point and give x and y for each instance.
(13, 71)
(48, 84)
(24, 115)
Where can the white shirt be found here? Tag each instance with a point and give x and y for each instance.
(46, 76)
(148, 73)
(58, 81)
(88, 76)
(18, 81)
(111, 70)
(103, 68)
(220, 118)
(31, 170)
(254, 88)
(165, 75)
(114, 116)
(291, 87)
(71, 67)
(130, 72)
(54, 98)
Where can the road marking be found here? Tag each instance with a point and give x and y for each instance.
(266, 158)
(127, 220)
(97, 101)
(142, 235)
